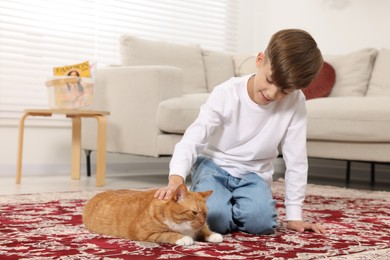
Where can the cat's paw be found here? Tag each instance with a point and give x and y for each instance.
(215, 238)
(185, 241)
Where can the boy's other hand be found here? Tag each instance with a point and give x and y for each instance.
(301, 226)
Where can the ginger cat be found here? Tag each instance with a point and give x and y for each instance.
(137, 215)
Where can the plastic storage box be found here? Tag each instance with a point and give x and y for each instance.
(70, 92)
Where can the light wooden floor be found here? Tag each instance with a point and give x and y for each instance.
(62, 182)
(148, 173)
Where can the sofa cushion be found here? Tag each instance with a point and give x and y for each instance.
(218, 66)
(136, 51)
(322, 84)
(353, 72)
(354, 119)
(244, 64)
(379, 83)
(175, 115)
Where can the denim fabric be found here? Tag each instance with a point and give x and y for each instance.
(244, 204)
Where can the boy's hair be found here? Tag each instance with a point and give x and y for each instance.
(294, 57)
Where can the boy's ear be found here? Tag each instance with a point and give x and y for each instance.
(260, 55)
(259, 59)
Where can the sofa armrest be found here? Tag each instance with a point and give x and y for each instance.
(131, 94)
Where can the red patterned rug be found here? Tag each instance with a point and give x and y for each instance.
(49, 226)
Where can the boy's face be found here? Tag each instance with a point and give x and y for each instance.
(261, 89)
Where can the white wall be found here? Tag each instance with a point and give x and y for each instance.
(246, 35)
(42, 147)
(339, 26)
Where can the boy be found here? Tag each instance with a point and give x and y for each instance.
(230, 147)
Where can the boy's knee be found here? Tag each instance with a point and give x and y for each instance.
(258, 220)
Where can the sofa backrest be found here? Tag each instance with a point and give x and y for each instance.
(244, 64)
(380, 83)
(137, 51)
(218, 67)
(202, 69)
(353, 72)
(221, 66)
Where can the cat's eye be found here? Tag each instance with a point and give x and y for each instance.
(194, 213)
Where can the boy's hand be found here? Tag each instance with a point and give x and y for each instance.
(166, 192)
(301, 226)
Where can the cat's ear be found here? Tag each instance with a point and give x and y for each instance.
(180, 193)
(206, 194)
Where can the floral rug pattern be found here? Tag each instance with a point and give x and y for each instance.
(49, 226)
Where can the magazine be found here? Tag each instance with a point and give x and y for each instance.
(77, 70)
(72, 86)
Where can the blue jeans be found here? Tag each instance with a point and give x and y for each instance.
(236, 204)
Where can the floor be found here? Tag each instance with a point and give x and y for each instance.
(147, 174)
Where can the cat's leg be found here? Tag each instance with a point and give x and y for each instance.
(185, 241)
(205, 234)
(214, 238)
(171, 238)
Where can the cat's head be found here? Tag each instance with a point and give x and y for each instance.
(188, 208)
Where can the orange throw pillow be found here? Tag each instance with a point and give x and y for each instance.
(322, 85)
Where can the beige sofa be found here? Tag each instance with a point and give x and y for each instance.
(156, 93)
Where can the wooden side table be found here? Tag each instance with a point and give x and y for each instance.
(76, 116)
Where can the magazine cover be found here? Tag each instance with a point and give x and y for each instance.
(72, 86)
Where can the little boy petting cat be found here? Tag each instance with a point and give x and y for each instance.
(231, 145)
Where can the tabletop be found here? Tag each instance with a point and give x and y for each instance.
(66, 112)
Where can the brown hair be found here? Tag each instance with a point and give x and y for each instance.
(294, 57)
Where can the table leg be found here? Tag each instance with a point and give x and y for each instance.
(76, 148)
(101, 151)
(20, 149)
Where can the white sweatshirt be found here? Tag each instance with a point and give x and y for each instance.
(242, 136)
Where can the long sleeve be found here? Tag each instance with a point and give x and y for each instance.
(295, 156)
(196, 137)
